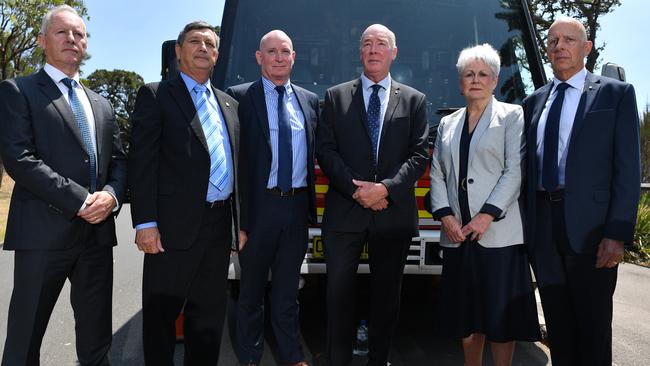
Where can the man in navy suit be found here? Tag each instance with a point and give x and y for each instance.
(582, 194)
(60, 144)
(278, 122)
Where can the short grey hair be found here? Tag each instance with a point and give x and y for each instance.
(574, 21)
(392, 41)
(45, 23)
(483, 52)
(196, 25)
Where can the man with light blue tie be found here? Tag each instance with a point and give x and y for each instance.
(183, 180)
(582, 191)
(278, 125)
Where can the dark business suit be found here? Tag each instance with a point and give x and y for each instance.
(276, 227)
(344, 151)
(169, 168)
(601, 193)
(44, 153)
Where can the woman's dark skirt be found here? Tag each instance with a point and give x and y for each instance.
(488, 291)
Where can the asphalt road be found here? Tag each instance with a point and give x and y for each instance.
(417, 342)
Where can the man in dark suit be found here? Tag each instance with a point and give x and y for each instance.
(582, 194)
(183, 179)
(60, 144)
(372, 145)
(278, 124)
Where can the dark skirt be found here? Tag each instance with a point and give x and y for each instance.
(488, 291)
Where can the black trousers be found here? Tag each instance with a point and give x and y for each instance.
(278, 243)
(192, 280)
(387, 257)
(39, 277)
(576, 297)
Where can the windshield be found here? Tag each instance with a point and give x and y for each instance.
(430, 35)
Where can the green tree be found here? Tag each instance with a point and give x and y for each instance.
(645, 145)
(20, 23)
(120, 87)
(588, 12)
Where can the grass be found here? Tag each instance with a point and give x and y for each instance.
(5, 195)
(640, 252)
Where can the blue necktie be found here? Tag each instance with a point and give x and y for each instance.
(82, 122)
(550, 178)
(209, 118)
(285, 148)
(373, 119)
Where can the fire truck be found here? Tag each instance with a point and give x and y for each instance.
(430, 35)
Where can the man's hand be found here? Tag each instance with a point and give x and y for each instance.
(243, 238)
(478, 226)
(382, 204)
(610, 253)
(148, 240)
(98, 206)
(451, 226)
(369, 193)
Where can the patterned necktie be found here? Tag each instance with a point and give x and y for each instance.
(82, 123)
(373, 119)
(209, 117)
(550, 179)
(285, 148)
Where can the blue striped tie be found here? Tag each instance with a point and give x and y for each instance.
(209, 118)
(374, 107)
(82, 122)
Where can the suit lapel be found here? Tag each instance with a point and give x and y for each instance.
(49, 88)
(259, 103)
(454, 126)
(358, 106)
(230, 117)
(589, 93)
(306, 112)
(184, 100)
(538, 106)
(479, 130)
(99, 125)
(394, 97)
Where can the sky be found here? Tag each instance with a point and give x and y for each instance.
(128, 35)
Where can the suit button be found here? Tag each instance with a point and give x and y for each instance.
(470, 181)
(86, 160)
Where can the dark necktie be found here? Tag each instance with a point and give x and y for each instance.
(550, 179)
(373, 119)
(209, 118)
(82, 123)
(285, 149)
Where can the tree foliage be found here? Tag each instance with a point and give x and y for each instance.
(20, 23)
(588, 12)
(645, 145)
(120, 87)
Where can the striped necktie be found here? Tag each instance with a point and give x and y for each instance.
(374, 106)
(82, 123)
(209, 117)
(285, 147)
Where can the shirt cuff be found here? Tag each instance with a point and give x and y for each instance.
(491, 210)
(442, 212)
(83, 205)
(146, 225)
(117, 203)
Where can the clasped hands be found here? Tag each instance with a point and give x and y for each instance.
(98, 206)
(370, 195)
(474, 229)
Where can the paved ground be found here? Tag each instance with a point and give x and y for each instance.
(417, 343)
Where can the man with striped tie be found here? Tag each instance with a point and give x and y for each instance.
(60, 144)
(278, 126)
(183, 175)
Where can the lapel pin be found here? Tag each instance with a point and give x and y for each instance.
(227, 104)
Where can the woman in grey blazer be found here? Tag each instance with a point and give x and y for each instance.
(476, 173)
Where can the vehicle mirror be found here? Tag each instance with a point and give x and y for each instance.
(612, 70)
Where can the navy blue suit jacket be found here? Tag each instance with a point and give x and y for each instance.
(255, 147)
(602, 181)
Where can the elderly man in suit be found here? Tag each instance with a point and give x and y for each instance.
(278, 123)
(183, 179)
(372, 145)
(582, 195)
(60, 144)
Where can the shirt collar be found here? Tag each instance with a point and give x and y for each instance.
(576, 81)
(269, 87)
(191, 83)
(58, 75)
(367, 83)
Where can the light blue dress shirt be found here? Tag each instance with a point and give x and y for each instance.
(384, 95)
(298, 134)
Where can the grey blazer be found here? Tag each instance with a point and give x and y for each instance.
(494, 171)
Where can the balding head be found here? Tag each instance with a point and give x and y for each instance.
(572, 22)
(275, 34)
(379, 29)
(567, 47)
(276, 56)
